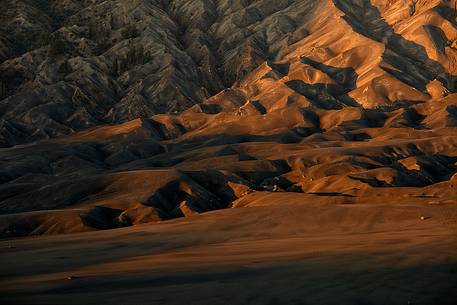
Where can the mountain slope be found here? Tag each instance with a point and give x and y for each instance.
(70, 65)
(338, 101)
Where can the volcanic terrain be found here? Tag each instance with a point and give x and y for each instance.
(228, 152)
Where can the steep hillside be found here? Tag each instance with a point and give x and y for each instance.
(338, 101)
(69, 65)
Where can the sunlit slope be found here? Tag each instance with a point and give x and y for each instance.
(343, 102)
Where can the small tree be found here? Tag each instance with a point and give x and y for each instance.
(455, 9)
(136, 55)
(112, 21)
(43, 39)
(115, 67)
(3, 90)
(412, 7)
(57, 46)
(65, 68)
(93, 30)
(129, 32)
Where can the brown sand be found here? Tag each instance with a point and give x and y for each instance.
(293, 253)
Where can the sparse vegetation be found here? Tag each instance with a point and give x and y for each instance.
(136, 55)
(100, 30)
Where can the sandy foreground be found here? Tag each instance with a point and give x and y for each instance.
(294, 253)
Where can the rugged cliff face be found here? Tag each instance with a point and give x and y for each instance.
(170, 108)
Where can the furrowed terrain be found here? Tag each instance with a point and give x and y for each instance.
(273, 147)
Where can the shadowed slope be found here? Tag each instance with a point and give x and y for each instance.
(409, 60)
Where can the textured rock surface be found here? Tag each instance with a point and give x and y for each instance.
(69, 65)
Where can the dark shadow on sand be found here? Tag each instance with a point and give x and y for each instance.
(342, 280)
(328, 96)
